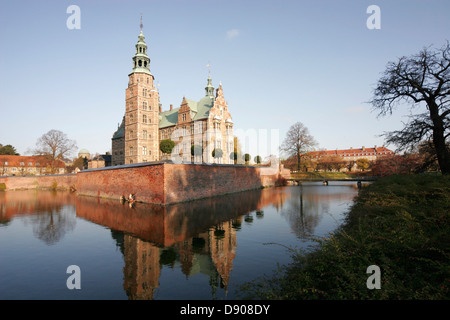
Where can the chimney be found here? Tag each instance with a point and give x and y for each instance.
(171, 106)
(363, 148)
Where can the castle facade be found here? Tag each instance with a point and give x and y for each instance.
(205, 126)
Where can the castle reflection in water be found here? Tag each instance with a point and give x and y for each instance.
(200, 235)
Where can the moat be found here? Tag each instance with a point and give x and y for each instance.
(202, 249)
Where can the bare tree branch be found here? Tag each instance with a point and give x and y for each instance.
(423, 78)
(298, 141)
(54, 145)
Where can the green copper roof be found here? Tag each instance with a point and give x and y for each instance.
(199, 111)
(203, 106)
(120, 130)
(141, 61)
(168, 118)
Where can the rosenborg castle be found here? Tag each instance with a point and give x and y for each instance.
(206, 123)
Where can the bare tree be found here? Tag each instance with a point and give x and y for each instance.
(422, 79)
(298, 141)
(54, 145)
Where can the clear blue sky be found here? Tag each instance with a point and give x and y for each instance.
(279, 62)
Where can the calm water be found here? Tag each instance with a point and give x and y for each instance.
(199, 250)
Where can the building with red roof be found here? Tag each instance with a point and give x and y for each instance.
(11, 165)
(351, 155)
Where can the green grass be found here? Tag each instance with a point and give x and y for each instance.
(321, 175)
(399, 223)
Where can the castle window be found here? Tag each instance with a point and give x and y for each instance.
(144, 151)
(140, 63)
(144, 118)
(144, 105)
(144, 134)
(183, 116)
(145, 64)
(131, 152)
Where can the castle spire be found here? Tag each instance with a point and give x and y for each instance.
(209, 89)
(141, 61)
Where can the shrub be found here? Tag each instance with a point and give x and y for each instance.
(166, 146)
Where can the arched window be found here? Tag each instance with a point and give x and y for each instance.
(145, 64)
(140, 63)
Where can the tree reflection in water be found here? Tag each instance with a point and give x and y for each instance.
(51, 214)
(51, 225)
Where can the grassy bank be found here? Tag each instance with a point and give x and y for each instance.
(321, 175)
(399, 223)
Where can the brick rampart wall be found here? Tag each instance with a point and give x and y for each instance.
(188, 182)
(158, 182)
(144, 180)
(57, 181)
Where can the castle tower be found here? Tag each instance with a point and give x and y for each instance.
(209, 89)
(141, 109)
